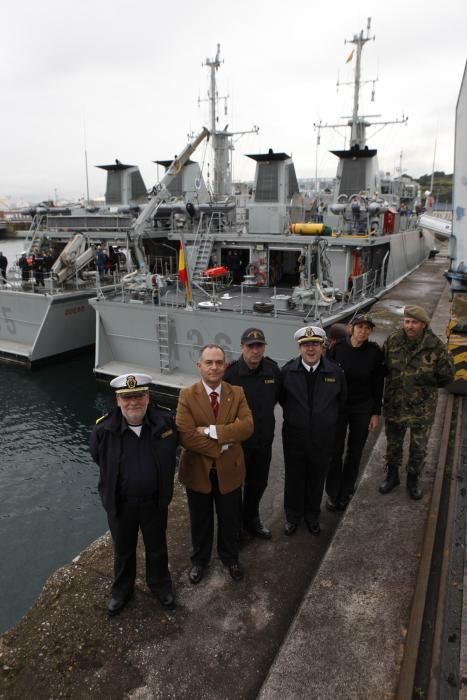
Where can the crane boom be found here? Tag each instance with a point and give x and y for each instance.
(160, 194)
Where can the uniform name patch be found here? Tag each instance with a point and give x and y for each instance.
(330, 380)
(269, 381)
(167, 433)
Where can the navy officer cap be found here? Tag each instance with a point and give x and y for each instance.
(309, 334)
(131, 384)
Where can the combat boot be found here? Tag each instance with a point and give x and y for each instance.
(414, 489)
(391, 480)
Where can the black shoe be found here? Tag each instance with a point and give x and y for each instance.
(257, 529)
(116, 605)
(290, 528)
(314, 528)
(330, 505)
(391, 481)
(414, 489)
(236, 571)
(416, 493)
(342, 503)
(166, 598)
(196, 573)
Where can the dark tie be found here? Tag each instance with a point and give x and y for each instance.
(214, 402)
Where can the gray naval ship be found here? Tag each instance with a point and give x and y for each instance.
(44, 310)
(271, 260)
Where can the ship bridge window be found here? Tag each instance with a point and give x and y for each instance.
(267, 182)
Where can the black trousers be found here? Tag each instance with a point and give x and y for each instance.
(343, 471)
(305, 472)
(152, 520)
(201, 506)
(257, 463)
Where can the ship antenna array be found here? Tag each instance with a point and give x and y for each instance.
(358, 122)
(221, 139)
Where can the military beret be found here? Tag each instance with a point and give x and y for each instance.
(362, 318)
(253, 335)
(131, 384)
(310, 333)
(417, 312)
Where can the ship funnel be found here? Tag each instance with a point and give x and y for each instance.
(125, 185)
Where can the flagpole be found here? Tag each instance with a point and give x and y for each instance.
(189, 297)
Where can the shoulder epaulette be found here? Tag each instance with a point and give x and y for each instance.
(101, 418)
(164, 408)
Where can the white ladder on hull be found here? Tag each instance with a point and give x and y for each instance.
(163, 337)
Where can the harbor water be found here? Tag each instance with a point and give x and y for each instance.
(49, 506)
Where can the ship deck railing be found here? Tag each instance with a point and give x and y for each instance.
(17, 283)
(246, 298)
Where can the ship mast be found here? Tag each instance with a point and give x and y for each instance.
(357, 124)
(221, 140)
(222, 181)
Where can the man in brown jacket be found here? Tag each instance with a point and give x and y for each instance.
(213, 420)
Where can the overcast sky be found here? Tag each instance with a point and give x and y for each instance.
(128, 75)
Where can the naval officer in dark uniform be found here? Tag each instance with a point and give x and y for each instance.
(313, 394)
(260, 378)
(135, 447)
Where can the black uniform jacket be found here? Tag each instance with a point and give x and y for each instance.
(261, 389)
(316, 427)
(364, 372)
(106, 448)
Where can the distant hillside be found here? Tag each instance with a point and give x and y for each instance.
(442, 186)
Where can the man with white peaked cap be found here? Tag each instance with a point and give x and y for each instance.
(135, 446)
(313, 392)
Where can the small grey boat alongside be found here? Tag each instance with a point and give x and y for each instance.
(44, 310)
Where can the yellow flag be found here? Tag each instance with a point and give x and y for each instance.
(350, 56)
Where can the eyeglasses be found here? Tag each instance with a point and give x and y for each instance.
(312, 343)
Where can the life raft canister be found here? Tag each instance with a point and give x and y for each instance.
(218, 271)
(310, 229)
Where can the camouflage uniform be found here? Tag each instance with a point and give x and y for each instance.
(414, 373)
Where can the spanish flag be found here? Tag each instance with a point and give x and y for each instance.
(350, 56)
(182, 273)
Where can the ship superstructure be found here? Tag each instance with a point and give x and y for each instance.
(282, 264)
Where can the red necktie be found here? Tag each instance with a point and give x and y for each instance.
(214, 402)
